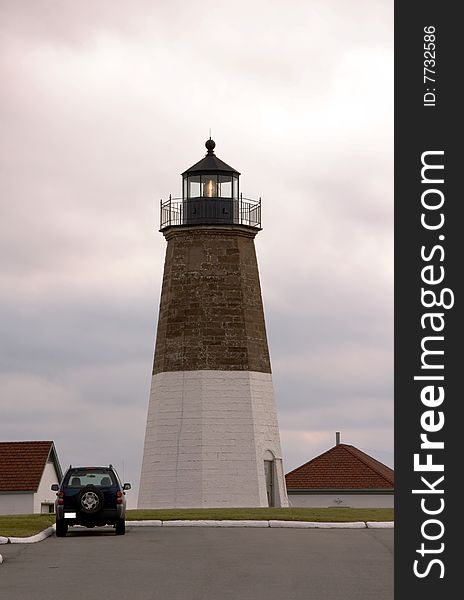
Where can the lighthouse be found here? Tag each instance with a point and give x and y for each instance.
(212, 436)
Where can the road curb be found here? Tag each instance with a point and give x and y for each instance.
(211, 523)
(38, 537)
(380, 524)
(3, 540)
(317, 525)
(42, 535)
(153, 523)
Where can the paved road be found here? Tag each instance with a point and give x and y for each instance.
(202, 564)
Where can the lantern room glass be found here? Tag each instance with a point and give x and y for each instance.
(210, 185)
(235, 187)
(225, 186)
(193, 186)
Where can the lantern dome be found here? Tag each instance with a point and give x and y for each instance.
(210, 163)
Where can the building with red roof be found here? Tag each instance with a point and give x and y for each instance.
(342, 476)
(27, 471)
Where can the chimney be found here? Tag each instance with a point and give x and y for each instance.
(337, 438)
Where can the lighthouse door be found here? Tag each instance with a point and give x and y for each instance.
(269, 473)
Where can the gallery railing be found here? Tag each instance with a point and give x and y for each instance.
(210, 211)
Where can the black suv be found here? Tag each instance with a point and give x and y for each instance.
(90, 496)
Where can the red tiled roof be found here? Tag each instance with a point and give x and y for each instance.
(341, 467)
(22, 465)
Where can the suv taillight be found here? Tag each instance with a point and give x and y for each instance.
(60, 497)
(119, 497)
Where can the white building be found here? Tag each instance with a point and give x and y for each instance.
(343, 476)
(27, 471)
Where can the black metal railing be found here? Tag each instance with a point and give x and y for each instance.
(210, 211)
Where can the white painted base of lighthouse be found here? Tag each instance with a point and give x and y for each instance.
(212, 440)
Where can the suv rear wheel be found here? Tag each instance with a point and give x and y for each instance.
(120, 527)
(61, 529)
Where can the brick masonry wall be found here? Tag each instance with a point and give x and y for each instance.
(211, 313)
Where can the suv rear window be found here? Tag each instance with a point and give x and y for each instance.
(82, 477)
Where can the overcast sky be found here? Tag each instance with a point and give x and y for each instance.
(104, 103)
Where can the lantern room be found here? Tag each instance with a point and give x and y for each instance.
(210, 178)
(210, 196)
(210, 191)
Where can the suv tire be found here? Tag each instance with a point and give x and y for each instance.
(120, 527)
(90, 500)
(61, 529)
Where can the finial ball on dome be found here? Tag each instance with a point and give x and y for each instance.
(210, 145)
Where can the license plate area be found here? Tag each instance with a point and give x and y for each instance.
(70, 515)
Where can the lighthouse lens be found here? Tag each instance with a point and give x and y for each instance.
(209, 186)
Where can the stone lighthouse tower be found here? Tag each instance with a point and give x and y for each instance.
(212, 438)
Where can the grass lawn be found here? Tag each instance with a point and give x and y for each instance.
(287, 514)
(25, 525)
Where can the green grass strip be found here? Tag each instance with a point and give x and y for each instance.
(336, 514)
(26, 525)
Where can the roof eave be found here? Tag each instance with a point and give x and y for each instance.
(53, 455)
(313, 491)
(204, 171)
(210, 163)
(29, 491)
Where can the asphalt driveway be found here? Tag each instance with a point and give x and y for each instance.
(193, 563)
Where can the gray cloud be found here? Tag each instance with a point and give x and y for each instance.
(106, 104)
